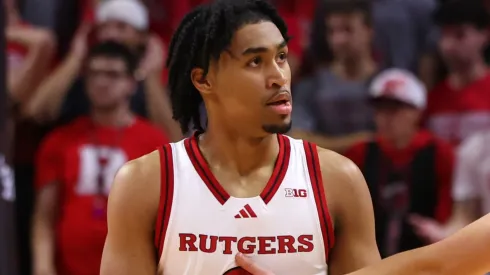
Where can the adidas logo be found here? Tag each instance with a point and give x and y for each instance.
(246, 212)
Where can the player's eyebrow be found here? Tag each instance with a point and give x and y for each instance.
(255, 50)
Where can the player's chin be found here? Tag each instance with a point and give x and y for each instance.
(278, 127)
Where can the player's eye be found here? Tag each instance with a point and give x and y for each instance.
(255, 62)
(282, 57)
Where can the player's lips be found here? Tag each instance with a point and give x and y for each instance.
(281, 103)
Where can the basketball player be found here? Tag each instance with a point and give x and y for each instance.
(466, 252)
(239, 185)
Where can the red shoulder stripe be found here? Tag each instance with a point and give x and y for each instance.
(166, 196)
(319, 194)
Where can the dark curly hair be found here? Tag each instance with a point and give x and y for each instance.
(458, 12)
(202, 36)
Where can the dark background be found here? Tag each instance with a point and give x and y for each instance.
(8, 261)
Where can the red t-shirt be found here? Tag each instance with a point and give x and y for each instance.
(401, 157)
(456, 114)
(79, 157)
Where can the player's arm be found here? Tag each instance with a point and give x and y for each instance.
(463, 253)
(132, 211)
(351, 209)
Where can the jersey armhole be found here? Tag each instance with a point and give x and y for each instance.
(316, 180)
(166, 196)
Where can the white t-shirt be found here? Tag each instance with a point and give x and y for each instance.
(472, 175)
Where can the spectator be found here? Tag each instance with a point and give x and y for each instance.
(471, 192)
(61, 96)
(330, 107)
(77, 162)
(403, 31)
(407, 170)
(29, 55)
(460, 105)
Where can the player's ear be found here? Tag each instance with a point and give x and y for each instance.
(200, 81)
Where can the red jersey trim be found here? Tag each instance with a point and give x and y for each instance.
(166, 196)
(280, 169)
(320, 198)
(202, 168)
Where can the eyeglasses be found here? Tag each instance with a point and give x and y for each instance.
(110, 74)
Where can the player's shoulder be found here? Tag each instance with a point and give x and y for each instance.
(335, 163)
(342, 180)
(331, 163)
(138, 179)
(140, 168)
(341, 176)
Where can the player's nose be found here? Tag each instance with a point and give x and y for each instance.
(277, 78)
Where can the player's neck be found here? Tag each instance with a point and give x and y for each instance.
(119, 117)
(461, 78)
(232, 150)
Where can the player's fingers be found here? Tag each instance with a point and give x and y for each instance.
(250, 266)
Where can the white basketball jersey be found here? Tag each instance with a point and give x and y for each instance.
(200, 227)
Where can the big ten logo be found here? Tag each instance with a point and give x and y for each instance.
(295, 193)
(98, 167)
(7, 186)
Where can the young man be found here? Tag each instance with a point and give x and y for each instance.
(460, 105)
(240, 185)
(408, 170)
(77, 163)
(331, 109)
(62, 97)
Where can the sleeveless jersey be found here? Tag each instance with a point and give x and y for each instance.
(200, 227)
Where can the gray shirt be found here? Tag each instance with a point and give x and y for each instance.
(326, 104)
(403, 31)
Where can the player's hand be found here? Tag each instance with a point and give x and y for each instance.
(428, 229)
(250, 266)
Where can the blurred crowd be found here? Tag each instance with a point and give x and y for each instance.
(401, 87)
